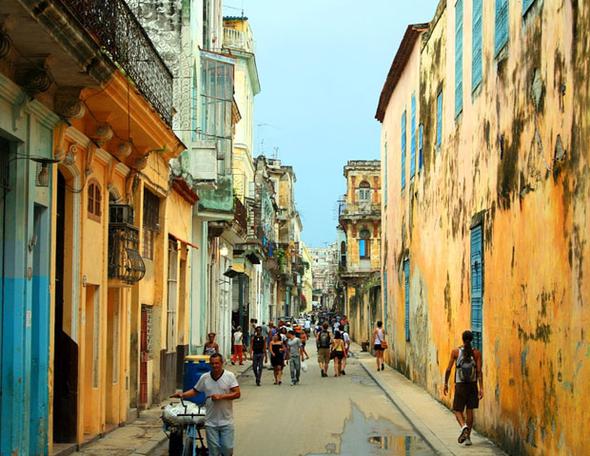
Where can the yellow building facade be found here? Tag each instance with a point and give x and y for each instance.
(360, 252)
(485, 146)
(101, 274)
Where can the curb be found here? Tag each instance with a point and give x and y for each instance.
(421, 429)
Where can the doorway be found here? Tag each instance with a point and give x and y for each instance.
(113, 364)
(65, 362)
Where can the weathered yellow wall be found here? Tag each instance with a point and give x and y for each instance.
(500, 159)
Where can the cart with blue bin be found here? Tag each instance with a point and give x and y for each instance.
(184, 422)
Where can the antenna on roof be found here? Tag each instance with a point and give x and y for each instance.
(275, 152)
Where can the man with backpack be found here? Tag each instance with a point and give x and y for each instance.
(467, 362)
(323, 343)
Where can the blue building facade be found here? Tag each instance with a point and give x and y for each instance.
(26, 140)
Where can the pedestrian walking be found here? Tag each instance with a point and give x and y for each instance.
(337, 351)
(211, 346)
(238, 343)
(346, 339)
(258, 353)
(294, 355)
(221, 388)
(277, 357)
(467, 362)
(323, 343)
(379, 344)
(303, 338)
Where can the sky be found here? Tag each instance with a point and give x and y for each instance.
(322, 64)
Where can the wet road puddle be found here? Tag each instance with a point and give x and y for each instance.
(365, 435)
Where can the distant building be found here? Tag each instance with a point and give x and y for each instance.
(324, 270)
(359, 219)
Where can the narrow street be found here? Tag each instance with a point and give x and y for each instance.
(349, 415)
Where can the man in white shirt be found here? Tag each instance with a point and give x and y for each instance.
(221, 388)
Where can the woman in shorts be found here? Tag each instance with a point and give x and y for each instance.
(378, 342)
(338, 349)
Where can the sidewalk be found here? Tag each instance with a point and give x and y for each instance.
(142, 436)
(433, 421)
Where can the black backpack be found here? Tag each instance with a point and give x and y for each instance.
(324, 340)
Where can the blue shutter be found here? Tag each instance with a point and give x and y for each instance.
(362, 248)
(403, 136)
(476, 59)
(407, 298)
(413, 137)
(420, 147)
(477, 269)
(501, 37)
(439, 108)
(458, 57)
(526, 4)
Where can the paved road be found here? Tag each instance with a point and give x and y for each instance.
(347, 415)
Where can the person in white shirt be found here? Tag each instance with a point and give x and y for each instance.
(238, 346)
(221, 388)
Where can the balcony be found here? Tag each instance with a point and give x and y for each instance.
(125, 263)
(117, 31)
(235, 39)
(358, 210)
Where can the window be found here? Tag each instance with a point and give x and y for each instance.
(407, 298)
(526, 5)
(476, 47)
(151, 223)
(477, 269)
(413, 137)
(501, 38)
(403, 145)
(420, 147)
(458, 57)
(365, 244)
(364, 192)
(439, 109)
(94, 201)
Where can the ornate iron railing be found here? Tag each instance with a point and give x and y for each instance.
(125, 262)
(116, 29)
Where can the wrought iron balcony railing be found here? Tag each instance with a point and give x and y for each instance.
(125, 262)
(116, 29)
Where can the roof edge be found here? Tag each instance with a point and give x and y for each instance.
(400, 60)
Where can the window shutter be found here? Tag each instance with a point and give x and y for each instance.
(477, 284)
(439, 106)
(476, 60)
(458, 57)
(501, 37)
(526, 4)
(420, 147)
(403, 138)
(407, 298)
(413, 138)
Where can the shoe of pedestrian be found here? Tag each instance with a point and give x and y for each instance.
(464, 435)
(257, 383)
(468, 441)
(343, 373)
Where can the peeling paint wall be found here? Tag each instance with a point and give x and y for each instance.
(517, 160)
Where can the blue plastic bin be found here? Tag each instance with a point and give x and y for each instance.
(194, 367)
